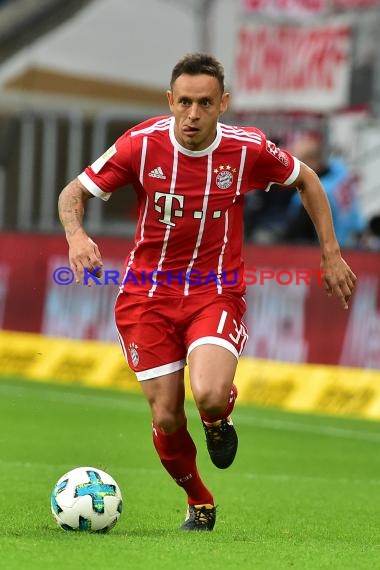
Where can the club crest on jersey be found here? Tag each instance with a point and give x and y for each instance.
(132, 347)
(224, 176)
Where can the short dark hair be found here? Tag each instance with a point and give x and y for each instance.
(198, 64)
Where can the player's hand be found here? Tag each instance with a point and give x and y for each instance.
(84, 254)
(338, 278)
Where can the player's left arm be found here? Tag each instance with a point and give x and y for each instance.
(338, 279)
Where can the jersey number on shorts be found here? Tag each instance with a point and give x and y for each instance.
(239, 330)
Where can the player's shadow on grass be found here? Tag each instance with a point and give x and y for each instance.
(148, 532)
(122, 532)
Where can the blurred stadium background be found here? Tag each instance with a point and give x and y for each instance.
(76, 74)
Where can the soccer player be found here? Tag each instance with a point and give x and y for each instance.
(182, 297)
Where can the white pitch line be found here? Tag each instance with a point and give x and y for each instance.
(275, 477)
(89, 399)
(140, 406)
(326, 430)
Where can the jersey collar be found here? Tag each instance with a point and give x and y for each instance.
(215, 143)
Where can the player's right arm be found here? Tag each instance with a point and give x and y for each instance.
(83, 252)
(108, 173)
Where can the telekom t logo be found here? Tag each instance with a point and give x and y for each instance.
(169, 204)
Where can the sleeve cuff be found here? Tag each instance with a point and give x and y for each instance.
(295, 173)
(92, 187)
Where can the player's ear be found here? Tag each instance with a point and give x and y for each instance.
(169, 95)
(224, 103)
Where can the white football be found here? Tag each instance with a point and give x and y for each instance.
(86, 499)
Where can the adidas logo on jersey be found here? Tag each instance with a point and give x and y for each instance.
(157, 173)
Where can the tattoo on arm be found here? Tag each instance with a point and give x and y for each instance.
(71, 207)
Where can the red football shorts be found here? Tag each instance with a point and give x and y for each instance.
(157, 334)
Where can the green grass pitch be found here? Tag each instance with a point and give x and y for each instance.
(303, 492)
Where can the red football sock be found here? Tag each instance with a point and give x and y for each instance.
(177, 453)
(226, 412)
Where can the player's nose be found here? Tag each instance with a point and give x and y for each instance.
(194, 112)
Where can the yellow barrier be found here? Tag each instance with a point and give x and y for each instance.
(310, 387)
(37, 357)
(299, 387)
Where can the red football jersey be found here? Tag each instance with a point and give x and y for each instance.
(190, 228)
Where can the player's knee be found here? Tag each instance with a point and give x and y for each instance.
(168, 421)
(212, 401)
